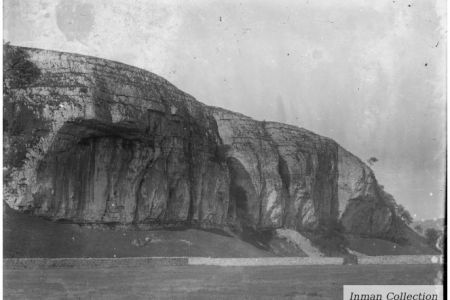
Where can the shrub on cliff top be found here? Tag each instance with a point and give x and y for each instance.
(18, 70)
(404, 214)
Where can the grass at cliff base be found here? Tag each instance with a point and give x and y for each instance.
(26, 236)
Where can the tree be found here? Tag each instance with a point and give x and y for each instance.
(372, 160)
(431, 235)
(404, 214)
(419, 229)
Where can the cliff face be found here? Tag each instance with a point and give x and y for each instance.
(90, 140)
(289, 175)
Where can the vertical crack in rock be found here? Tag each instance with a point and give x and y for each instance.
(283, 171)
(241, 189)
(262, 181)
(140, 179)
(282, 193)
(113, 161)
(190, 155)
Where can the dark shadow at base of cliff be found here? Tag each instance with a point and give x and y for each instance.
(174, 226)
(258, 238)
(28, 236)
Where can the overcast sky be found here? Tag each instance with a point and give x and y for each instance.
(369, 74)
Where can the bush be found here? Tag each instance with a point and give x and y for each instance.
(330, 239)
(18, 70)
(419, 229)
(404, 214)
(372, 160)
(432, 236)
(331, 245)
(397, 233)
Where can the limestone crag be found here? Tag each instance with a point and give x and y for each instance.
(365, 208)
(95, 141)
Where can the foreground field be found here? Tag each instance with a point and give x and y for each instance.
(206, 282)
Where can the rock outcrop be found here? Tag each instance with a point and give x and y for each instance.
(95, 141)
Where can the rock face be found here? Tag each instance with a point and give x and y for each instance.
(95, 141)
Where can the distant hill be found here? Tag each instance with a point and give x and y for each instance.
(415, 245)
(437, 224)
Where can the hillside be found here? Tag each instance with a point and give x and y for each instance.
(415, 245)
(437, 224)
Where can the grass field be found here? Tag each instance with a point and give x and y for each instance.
(207, 282)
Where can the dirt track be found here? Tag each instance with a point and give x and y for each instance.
(206, 282)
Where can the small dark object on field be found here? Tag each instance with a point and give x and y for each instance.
(141, 243)
(350, 259)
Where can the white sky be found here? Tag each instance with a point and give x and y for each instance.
(369, 74)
